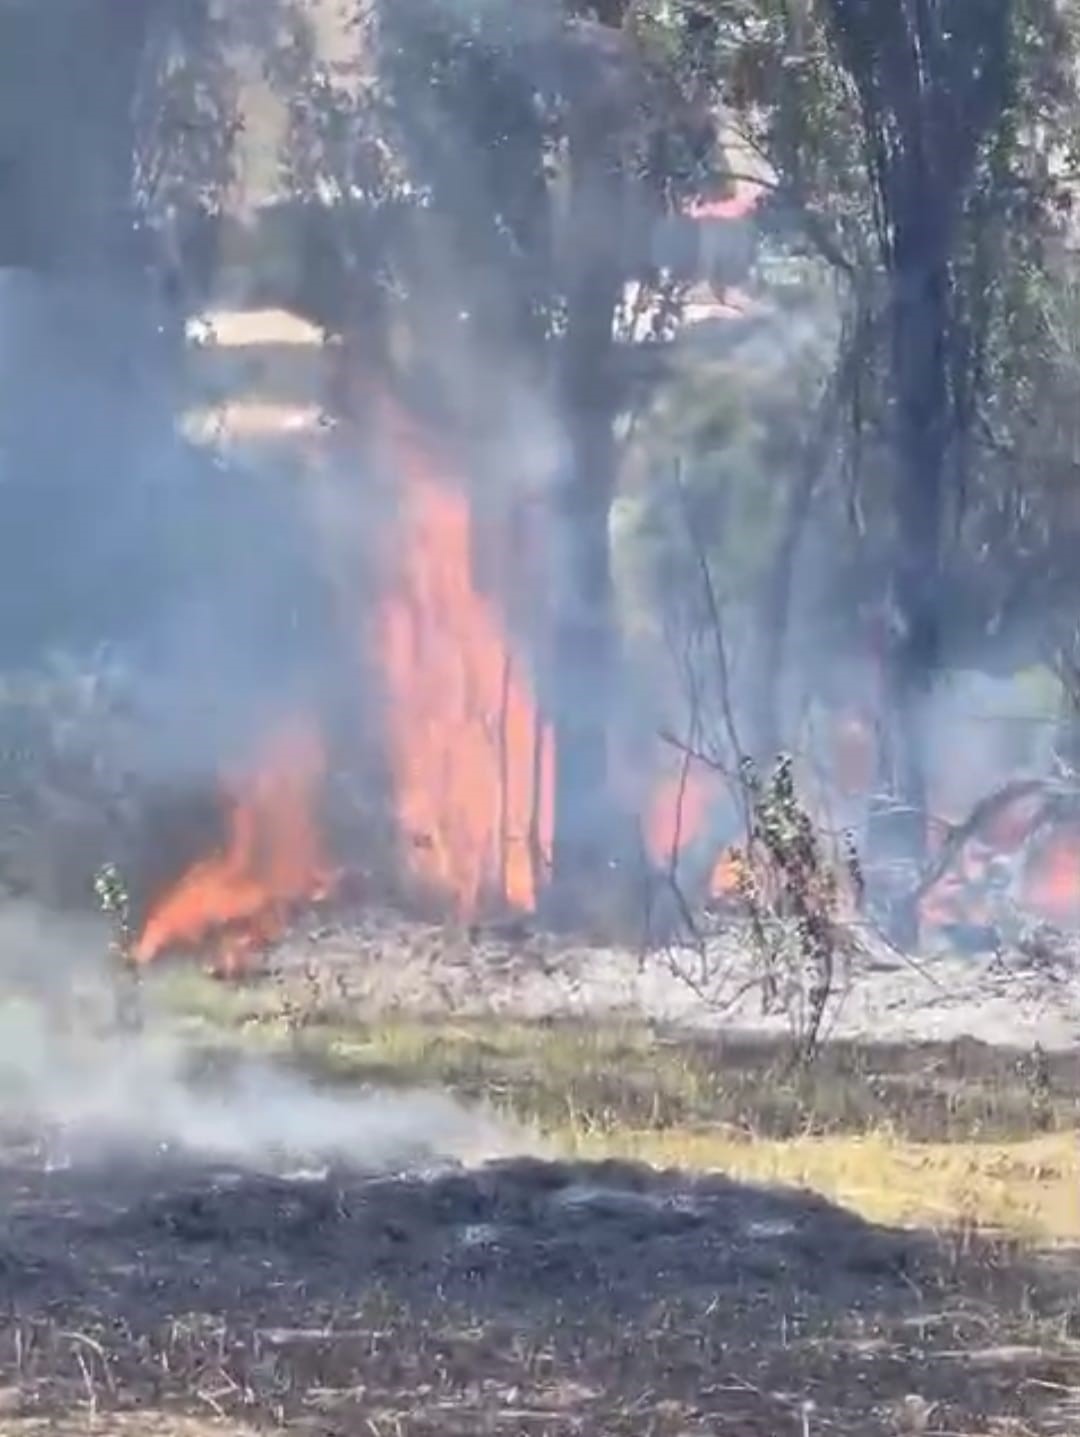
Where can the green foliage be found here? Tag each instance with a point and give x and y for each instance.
(820, 93)
(187, 116)
(722, 449)
(791, 889)
(114, 900)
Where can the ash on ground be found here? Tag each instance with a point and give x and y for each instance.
(1026, 994)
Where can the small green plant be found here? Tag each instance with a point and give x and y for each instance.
(114, 901)
(792, 893)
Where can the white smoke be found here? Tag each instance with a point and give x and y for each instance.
(81, 1089)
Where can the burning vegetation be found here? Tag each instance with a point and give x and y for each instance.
(540, 534)
(239, 899)
(471, 756)
(582, 238)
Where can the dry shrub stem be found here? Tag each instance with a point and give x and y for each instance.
(796, 898)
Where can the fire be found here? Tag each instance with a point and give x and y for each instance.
(675, 818)
(471, 763)
(1038, 872)
(675, 814)
(729, 876)
(1051, 879)
(273, 859)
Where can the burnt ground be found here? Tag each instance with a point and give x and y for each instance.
(145, 1290)
(518, 1297)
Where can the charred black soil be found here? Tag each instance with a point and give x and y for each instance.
(521, 1297)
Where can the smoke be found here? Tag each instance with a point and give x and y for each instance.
(213, 582)
(45, 956)
(85, 1090)
(234, 593)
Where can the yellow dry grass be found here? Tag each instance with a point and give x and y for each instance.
(1028, 1189)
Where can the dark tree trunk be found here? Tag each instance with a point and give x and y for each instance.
(584, 629)
(934, 82)
(774, 603)
(920, 320)
(80, 344)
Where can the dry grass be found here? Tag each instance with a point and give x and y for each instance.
(931, 1138)
(1028, 1189)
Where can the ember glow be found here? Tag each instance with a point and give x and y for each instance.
(471, 763)
(239, 899)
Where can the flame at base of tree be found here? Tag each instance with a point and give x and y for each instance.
(472, 766)
(471, 763)
(273, 860)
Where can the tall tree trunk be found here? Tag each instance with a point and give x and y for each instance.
(934, 84)
(774, 601)
(919, 335)
(79, 335)
(584, 629)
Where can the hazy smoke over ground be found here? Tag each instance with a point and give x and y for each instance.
(88, 1090)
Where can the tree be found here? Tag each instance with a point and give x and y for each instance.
(910, 147)
(517, 157)
(934, 87)
(88, 175)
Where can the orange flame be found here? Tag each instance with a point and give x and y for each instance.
(472, 768)
(272, 861)
(675, 817)
(729, 875)
(675, 814)
(1051, 881)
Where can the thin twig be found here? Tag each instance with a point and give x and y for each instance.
(712, 604)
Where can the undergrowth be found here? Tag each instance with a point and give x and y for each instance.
(936, 1134)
